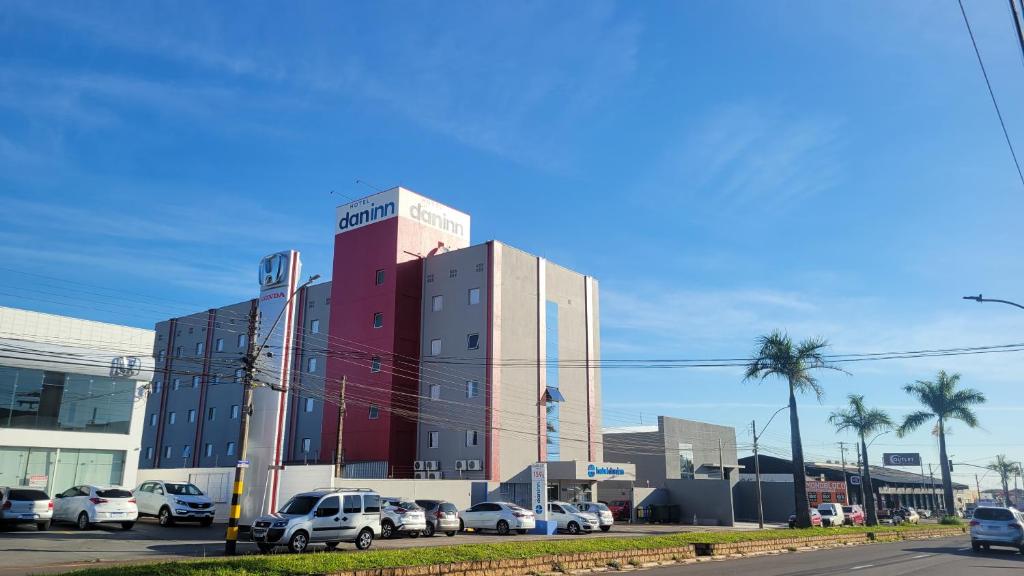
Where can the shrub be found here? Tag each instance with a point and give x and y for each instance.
(951, 521)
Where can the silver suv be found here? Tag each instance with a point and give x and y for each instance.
(327, 515)
(401, 516)
(994, 526)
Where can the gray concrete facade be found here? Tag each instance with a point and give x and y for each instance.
(193, 407)
(524, 301)
(658, 451)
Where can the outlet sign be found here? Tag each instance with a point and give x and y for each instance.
(901, 459)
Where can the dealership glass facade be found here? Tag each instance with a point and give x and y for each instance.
(554, 441)
(57, 469)
(48, 400)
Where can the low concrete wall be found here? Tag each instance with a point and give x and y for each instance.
(458, 492)
(823, 541)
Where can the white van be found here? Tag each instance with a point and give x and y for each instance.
(831, 515)
(328, 516)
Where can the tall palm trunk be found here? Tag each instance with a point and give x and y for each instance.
(803, 515)
(947, 482)
(869, 494)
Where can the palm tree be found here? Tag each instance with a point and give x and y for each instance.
(863, 422)
(778, 356)
(942, 402)
(1005, 469)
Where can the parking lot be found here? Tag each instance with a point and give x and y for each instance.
(24, 550)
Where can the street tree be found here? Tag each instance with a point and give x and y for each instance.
(1006, 470)
(863, 422)
(942, 402)
(778, 356)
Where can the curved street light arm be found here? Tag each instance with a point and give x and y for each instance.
(979, 299)
(757, 435)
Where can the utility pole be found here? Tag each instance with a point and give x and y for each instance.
(977, 484)
(339, 455)
(932, 476)
(249, 367)
(922, 480)
(757, 475)
(846, 481)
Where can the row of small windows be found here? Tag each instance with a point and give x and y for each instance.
(472, 390)
(186, 451)
(242, 341)
(472, 343)
(434, 438)
(197, 380)
(211, 414)
(454, 272)
(473, 298)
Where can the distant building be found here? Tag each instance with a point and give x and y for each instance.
(72, 400)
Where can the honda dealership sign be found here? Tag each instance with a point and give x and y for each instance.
(278, 279)
(901, 459)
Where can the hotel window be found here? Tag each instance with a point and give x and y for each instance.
(374, 412)
(480, 267)
(152, 419)
(186, 450)
(231, 449)
(234, 411)
(168, 450)
(243, 340)
(312, 365)
(309, 405)
(161, 355)
(433, 439)
(430, 278)
(378, 319)
(209, 450)
(375, 364)
(314, 326)
(176, 384)
(239, 375)
(191, 415)
(177, 352)
(157, 387)
(473, 341)
(437, 303)
(472, 388)
(379, 277)
(149, 453)
(211, 413)
(435, 391)
(220, 344)
(435, 347)
(200, 347)
(305, 447)
(474, 296)
(172, 417)
(471, 438)
(453, 273)
(196, 380)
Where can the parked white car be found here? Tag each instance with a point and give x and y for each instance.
(605, 518)
(329, 516)
(401, 516)
(174, 502)
(570, 519)
(25, 505)
(831, 515)
(502, 517)
(88, 504)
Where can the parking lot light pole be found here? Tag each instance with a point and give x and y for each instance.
(979, 299)
(757, 465)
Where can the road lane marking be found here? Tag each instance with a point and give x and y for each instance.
(919, 556)
(864, 566)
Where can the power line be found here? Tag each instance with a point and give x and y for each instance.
(991, 92)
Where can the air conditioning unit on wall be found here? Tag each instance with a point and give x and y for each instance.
(460, 464)
(418, 465)
(431, 464)
(435, 475)
(473, 465)
(419, 475)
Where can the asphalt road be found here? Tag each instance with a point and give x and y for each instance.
(941, 557)
(24, 550)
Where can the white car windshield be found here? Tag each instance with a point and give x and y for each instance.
(570, 509)
(183, 489)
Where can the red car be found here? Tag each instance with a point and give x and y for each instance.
(815, 519)
(854, 515)
(620, 509)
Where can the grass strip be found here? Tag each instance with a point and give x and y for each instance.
(327, 562)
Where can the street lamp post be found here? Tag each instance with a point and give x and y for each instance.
(979, 299)
(757, 464)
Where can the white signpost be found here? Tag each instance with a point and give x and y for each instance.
(539, 496)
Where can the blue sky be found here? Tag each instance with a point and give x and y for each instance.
(723, 168)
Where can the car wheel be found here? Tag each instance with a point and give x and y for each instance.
(986, 547)
(414, 534)
(83, 521)
(387, 529)
(573, 528)
(449, 534)
(365, 539)
(605, 528)
(298, 542)
(792, 524)
(332, 545)
(165, 518)
(502, 528)
(462, 525)
(43, 526)
(206, 522)
(264, 547)
(127, 525)
(430, 529)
